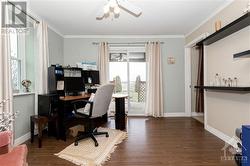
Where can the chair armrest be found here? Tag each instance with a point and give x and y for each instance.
(5, 138)
(80, 104)
(16, 157)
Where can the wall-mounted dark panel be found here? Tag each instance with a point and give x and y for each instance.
(229, 29)
(224, 88)
(244, 54)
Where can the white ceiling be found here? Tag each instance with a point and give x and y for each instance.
(159, 17)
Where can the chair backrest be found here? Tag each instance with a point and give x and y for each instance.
(102, 100)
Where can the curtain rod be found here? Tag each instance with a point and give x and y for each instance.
(24, 12)
(130, 43)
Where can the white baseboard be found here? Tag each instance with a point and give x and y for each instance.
(22, 139)
(176, 114)
(197, 114)
(220, 135)
(139, 115)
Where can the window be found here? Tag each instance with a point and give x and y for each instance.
(118, 57)
(15, 62)
(137, 57)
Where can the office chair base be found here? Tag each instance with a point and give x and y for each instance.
(84, 135)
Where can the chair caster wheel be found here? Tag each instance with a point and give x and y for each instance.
(107, 135)
(96, 144)
(76, 143)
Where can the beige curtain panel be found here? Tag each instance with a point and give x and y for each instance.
(154, 99)
(5, 75)
(103, 60)
(42, 59)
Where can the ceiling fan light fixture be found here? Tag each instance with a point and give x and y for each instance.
(117, 10)
(112, 4)
(114, 7)
(106, 9)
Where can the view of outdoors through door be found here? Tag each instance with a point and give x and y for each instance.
(127, 70)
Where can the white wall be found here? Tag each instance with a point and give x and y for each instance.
(81, 49)
(226, 111)
(55, 47)
(24, 104)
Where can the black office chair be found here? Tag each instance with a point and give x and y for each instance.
(95, 109)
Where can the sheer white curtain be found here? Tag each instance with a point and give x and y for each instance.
(41, 60)
(104, 62)
(5, 72)
(154, 99)
(5, 75)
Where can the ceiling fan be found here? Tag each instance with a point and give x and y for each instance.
(113, 7)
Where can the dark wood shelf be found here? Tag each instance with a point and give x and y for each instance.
(244, 54)
(229, 29)
(226, 89)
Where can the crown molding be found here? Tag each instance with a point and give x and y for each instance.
(55, 30)
(210, 17)
(124, 36)
(40, 18)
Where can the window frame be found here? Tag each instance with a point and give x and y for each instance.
(20, 59)
(19, 62)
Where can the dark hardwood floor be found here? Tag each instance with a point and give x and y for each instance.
(151, 142)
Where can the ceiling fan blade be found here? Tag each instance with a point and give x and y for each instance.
(129, 7)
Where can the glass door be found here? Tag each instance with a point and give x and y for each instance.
(127, 70)
(118, 75)
(137, 83)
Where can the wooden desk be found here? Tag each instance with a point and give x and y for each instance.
(72, 98)
(120, 115)
(65, 115)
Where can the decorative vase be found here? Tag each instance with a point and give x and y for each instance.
(217, 25)
(26, 84)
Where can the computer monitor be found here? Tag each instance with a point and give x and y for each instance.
(73, 80)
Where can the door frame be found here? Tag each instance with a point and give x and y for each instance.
(188, 90)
